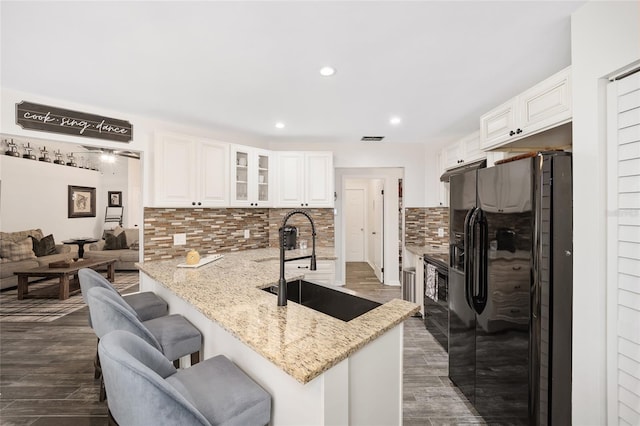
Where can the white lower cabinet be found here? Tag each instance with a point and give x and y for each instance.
(324, 274)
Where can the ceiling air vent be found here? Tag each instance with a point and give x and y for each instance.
(372, 138)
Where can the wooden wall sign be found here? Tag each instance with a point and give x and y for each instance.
(57, 120)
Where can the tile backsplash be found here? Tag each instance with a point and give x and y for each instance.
(422, 223)
(222, 230)
(323, 220)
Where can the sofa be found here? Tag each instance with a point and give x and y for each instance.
(124, 248)
(18, 253)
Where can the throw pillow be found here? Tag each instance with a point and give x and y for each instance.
(115, 242)
(17, 250)
(45, 246)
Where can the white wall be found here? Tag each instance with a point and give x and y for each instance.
(34, 195)
(605, 37)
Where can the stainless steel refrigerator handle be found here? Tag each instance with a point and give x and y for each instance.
(469, 247)
(480, 299)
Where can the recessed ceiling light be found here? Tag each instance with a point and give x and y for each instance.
(279, 125)
(395, 120)
(327, 71)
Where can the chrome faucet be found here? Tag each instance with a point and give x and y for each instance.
(282, 283)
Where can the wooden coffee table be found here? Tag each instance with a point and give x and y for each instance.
(66, 275)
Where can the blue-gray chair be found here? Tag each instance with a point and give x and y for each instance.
(146, 304)
(145, 389)
(172, 335)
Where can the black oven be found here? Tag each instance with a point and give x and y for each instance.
(436, 301)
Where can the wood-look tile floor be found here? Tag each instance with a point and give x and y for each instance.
(46, 370)
(429, 396)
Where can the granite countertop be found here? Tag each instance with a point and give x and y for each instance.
(427, 249)
(302, 342)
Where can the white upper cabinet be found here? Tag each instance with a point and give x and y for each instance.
(443, 188)
(545, 105)
(305, 179)
(452, 155)
(190, 172)
(466, 150)
(251, 177)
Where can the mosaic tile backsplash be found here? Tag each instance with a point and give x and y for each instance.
(222, 230)
(422, 223)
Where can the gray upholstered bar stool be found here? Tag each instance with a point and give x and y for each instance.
(145, 389)
(172, 335)
(146, 304)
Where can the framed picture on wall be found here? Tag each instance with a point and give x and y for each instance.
(82, 201)
(115, 198)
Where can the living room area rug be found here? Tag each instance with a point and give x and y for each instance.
(51, 308)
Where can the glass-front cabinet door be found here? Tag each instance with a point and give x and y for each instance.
(264, 183)
(240, 190)
(251, 177)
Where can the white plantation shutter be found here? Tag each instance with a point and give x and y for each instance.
(623, 235)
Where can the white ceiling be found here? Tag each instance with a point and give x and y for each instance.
(239, 67)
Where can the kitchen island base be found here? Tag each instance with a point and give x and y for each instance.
(362, 389)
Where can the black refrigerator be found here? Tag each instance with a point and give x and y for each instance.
(510, 289)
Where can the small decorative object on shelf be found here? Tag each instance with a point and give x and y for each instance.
(13, 149)
(59, 156)
(71, 160)
(45, 155)
(27, 152)
(193, 257)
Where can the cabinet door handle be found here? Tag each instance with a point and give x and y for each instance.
(199, 203)
(193, 203)
(303, 267)
(511, 133)
(519, 131)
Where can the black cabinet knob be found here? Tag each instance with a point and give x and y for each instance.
(519, 131)
(302, 205)
(306, 204)
(199, 203)
(511, 133)
(193, 203)
(255, 204)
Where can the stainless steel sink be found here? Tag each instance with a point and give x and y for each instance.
(335, 303)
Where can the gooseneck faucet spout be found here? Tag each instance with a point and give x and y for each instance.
(282, 283)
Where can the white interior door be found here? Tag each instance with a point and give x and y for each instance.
(377, 231)
(623, 250)
(355, 205)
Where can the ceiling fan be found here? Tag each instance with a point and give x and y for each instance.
(108, 151)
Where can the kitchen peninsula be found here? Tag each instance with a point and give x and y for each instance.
(319, 369)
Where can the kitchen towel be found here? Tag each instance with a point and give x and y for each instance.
(430, 287)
